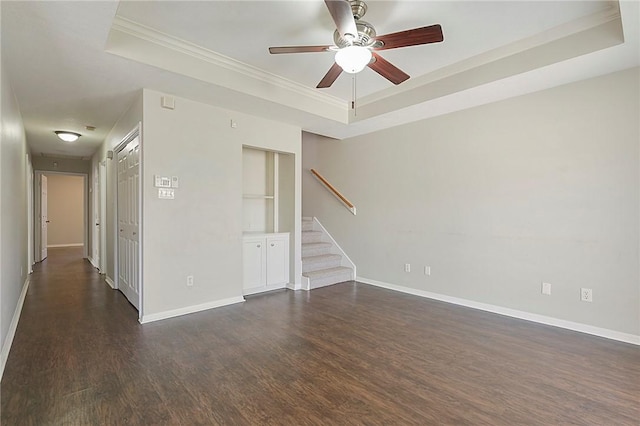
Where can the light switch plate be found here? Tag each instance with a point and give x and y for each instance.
(162, 181)
(174, 182)
(166, 193)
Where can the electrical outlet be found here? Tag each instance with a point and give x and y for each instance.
(546, 288)
(189, 280)
(586, 295)
(407, 267)
(427, 270)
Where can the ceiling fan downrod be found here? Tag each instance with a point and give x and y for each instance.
(359, 8)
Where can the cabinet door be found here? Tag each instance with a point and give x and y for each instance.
(253, 263)
(277, 261)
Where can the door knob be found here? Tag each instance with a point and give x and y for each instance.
(97, 224)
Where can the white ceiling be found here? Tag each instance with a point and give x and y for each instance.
(243, 31)
(74, 64)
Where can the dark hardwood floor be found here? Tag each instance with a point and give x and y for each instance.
(345, 354)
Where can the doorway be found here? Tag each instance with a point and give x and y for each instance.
(98, 224)
(128, 218)
(60, 212)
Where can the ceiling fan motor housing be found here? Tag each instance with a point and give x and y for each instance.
(366, 36)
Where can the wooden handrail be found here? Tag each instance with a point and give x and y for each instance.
(335, 192)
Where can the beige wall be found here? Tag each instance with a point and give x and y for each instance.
(65, 209)
(13, 212)
(497, 199)
(199, 233)
(64, 165)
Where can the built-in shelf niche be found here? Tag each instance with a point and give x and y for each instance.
(261, 190)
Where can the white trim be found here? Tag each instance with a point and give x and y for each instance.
(264, 289)
(514, 313)
(190, 309)
(294, 286)
(136, 132)
(102, 175)
(93, 263)
(85, 211)
(30, 213)
(11, 333)
(167, 41)
(306, 284)
(346, 260)
(110, 282)
(551, 35)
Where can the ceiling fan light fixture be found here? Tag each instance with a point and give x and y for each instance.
(67, 136)
(353, 59)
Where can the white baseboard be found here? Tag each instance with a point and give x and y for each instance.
(306, 283)
(190, 309)
(65, 245)
(8, 341)
(294, 286)
(541, 319)
(257, 290)
(93, 263)
(109, 281)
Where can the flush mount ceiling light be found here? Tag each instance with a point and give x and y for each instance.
(67, 136)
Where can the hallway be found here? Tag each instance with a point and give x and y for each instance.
(344, 354)
(73, 333)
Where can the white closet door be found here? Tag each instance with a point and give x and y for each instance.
(128, 221)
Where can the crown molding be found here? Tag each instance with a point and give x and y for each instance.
(537, 40)
(137, 30)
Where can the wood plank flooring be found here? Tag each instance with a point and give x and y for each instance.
(349, 354)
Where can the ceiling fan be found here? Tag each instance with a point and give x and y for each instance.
(356, 43)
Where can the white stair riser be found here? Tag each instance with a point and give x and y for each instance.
(321, 266)
(311, 237)
(330, 280)
(318, 265)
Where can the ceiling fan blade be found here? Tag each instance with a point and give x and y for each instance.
(342, 15)
(388, 70)
(330, 77)
(298, 49)
(423, 35)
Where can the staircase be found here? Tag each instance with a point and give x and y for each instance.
(323, 262)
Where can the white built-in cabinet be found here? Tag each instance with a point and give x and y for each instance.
(265, 260)
(267, 212)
